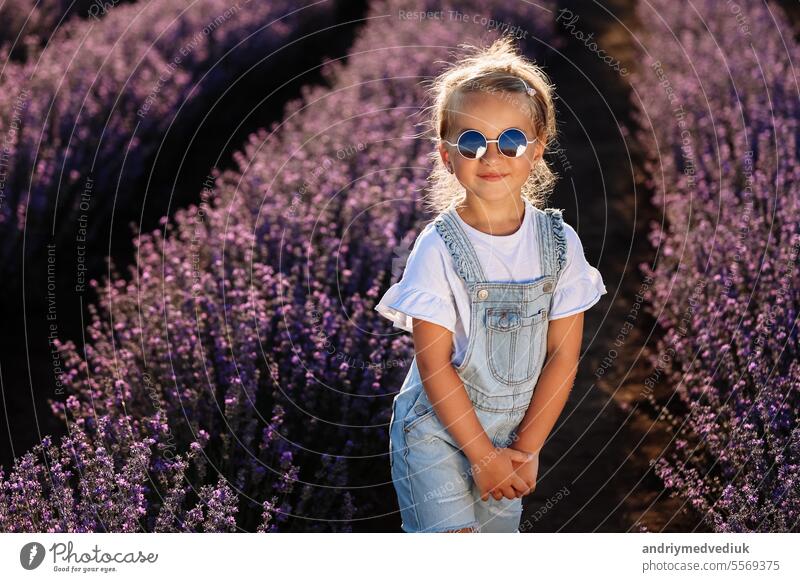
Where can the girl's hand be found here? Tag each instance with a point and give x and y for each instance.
(529, 471)
(494, 474)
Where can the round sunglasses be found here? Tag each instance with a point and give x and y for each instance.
(472, 144)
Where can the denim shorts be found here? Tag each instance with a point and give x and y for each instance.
(433, 477)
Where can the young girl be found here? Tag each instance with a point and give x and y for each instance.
(494, 292)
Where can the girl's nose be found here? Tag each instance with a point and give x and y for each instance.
(492, 153)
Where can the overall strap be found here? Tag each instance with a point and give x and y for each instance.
(465, 259)
(552, 242)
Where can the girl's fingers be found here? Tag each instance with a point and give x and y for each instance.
(520, 456)
(519, 483)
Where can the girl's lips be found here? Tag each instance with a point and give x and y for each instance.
(492, 177)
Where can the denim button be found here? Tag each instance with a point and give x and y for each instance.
(483, 294)
(419, 408)
(547, 287)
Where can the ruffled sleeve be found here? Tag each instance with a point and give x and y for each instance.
(401, 304)
(424, 291)
(580, 285)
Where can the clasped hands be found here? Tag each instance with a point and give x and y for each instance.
(506, 472)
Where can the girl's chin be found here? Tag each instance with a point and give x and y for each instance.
(495, 195)
(495, 188)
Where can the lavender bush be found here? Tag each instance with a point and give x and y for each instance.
(82, 486)
(83, 124)
(719, 113)
(250, 319)
(26, 25)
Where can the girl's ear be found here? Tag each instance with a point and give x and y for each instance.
(538, 150)
(444, 154)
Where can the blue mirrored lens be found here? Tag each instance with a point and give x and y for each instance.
(512, 143)
(472, 144)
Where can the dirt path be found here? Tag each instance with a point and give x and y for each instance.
(595, 473)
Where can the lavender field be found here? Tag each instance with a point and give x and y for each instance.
(726, 290)
(218, 365)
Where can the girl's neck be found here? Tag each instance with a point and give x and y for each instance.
(499, 218)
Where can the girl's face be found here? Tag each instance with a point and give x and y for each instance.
(491, 114)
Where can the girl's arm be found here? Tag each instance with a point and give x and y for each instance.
(434, 348)
(555, 383)
(493, 468)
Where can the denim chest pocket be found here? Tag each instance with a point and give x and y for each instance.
(514, 343)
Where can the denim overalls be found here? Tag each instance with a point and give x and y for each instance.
(504, 356)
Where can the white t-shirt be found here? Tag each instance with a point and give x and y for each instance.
(432, 290)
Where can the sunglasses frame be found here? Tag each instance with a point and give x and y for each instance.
(488, 141)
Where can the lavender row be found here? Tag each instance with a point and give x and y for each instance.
(250, 320)
(83, 124)
(719, 111)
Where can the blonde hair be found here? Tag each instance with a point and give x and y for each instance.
(497, 68)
